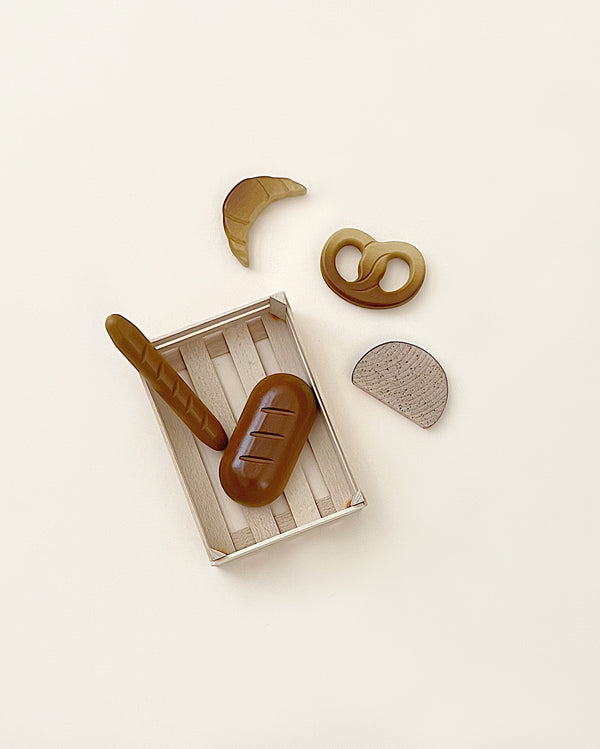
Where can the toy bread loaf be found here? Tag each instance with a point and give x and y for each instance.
(161, 376)
(406, 378)
(268, 439)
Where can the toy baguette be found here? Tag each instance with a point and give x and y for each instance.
(161, 376)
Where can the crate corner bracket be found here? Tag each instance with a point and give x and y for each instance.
(278, 305)
(357, 499)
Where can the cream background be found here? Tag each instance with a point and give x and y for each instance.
(461, 608)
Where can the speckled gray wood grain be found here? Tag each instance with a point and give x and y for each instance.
(405, 378)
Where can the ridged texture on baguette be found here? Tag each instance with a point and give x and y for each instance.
(161, 376)
(244, 203)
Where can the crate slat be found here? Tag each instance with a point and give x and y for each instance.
(243, 538)
(215, 344)
(319, 438)
(200, 491)
(300, 497)
(247, 361)
(204, 377)
(326, 507)
(206, 382)
(285, 521)
(244, 355)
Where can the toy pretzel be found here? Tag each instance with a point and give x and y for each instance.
(365, 291)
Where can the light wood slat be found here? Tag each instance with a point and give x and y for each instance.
(174, 359)
(242, 538)
(245, 356)
(285, 521)
(215, 344)
(257, 329)
(324, 449)
(208, 386)
(196, 479)
(328, 461)
(206, 382)
(300, 497)
(326, 507)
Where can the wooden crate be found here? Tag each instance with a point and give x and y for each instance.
(222, 359)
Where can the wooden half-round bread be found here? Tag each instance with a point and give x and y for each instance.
(405, 378)
(244, 203)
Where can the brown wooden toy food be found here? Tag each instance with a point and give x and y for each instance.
(244, 203)
(161, 376)
(406, 378)
(268, 439)
(365, 291)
